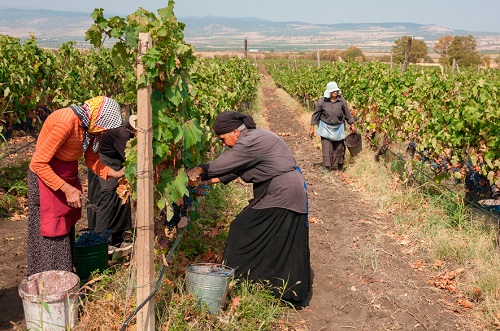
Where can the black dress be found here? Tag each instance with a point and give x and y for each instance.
(112, 214)
(269, 240)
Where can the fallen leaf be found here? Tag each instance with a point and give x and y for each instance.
(183, 222)
(212, 233)
(438, 264)
(465, 303)
(17, 217)
(208, 256)
(477, 294)
(447, 280)
(123, 190)
(108, 297)
(365, 221)
(456, 272)
(418, 264)
(235, 303)
(313, 220)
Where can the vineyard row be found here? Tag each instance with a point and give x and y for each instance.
(451, 118)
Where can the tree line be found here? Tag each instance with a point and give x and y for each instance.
(459, 50)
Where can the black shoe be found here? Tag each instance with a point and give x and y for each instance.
(298, 305)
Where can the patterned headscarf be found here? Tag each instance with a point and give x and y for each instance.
(97, 114)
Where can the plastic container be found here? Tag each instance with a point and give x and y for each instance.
(208, 282)
(50, 300)
(354, 143)
(91, 258)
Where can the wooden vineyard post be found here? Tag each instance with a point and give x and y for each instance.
(246, 47)
(318, 57)
(407, 55)
(144, 243)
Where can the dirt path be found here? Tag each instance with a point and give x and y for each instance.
(362, 278)
(13, 252)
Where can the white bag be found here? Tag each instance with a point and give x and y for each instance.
(331, 132)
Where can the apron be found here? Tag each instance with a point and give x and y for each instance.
(56, 217)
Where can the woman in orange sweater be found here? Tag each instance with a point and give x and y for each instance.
(54, 189)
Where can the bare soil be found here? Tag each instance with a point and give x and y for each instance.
(364, 277)
(13, 248)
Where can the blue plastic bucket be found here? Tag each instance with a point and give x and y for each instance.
(208, 283)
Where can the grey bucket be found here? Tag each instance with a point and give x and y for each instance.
(50, 300)
(354, 143)
(208, 283)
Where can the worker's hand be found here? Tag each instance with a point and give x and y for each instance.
(194, 176)
(201, 189)
(116, 174)
(73, 195)
(353, 128)
(311, 132)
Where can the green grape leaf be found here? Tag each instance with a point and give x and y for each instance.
(120, 56)
(192, 134)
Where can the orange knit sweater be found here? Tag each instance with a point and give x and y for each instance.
(61, 137)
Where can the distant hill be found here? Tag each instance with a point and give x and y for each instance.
(50, 27)
(223, 33)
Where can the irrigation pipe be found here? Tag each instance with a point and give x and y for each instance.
(157, 286)
(472, 203)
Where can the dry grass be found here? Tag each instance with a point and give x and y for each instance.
(106, 303)
(442, 228)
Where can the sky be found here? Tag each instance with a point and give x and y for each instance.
(474, 16)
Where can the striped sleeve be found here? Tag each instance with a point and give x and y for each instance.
(93, 163)
(45, 151)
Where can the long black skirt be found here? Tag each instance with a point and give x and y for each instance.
(112, 215)
(333, 153)
(271, 245)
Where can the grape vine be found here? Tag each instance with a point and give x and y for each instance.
(187, 93)
(451, 118)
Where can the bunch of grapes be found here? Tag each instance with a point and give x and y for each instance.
(411, 148)
(92, 238)
(179, 212)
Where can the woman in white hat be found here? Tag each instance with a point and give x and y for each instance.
(330, 113)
